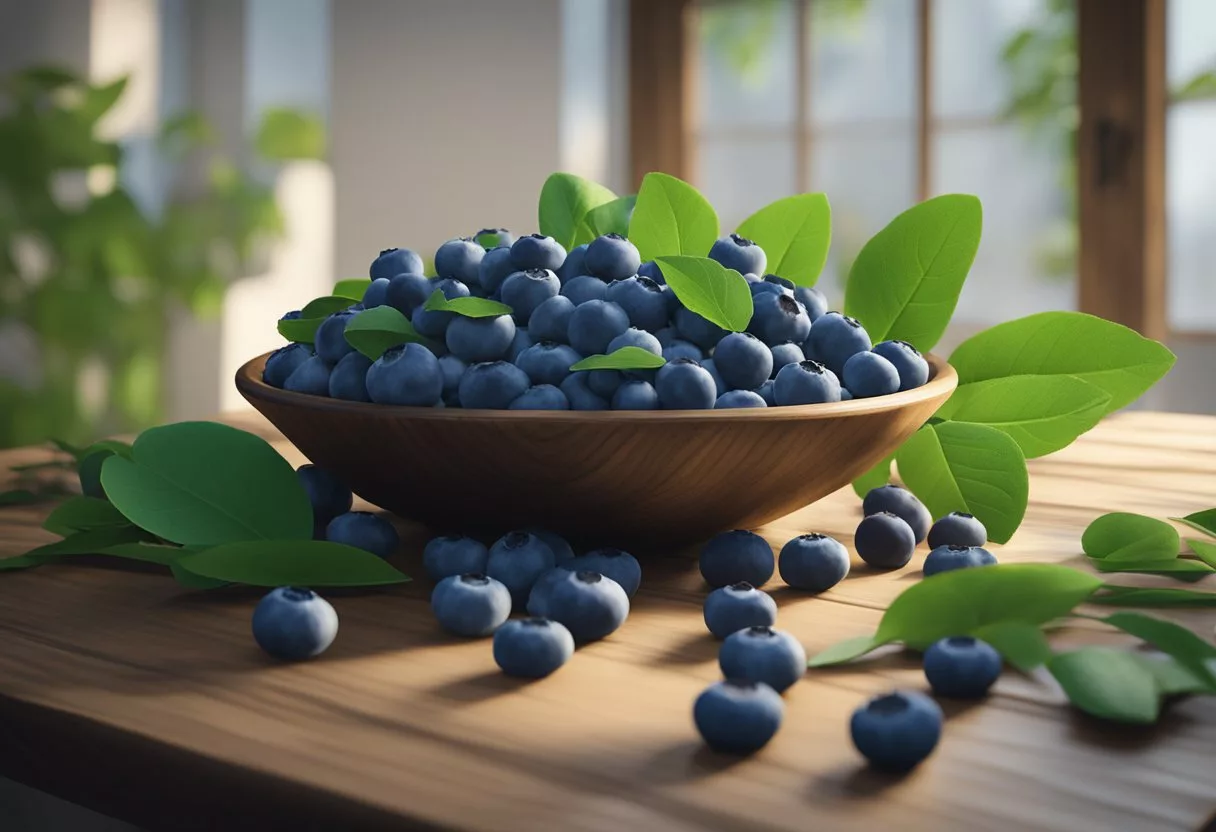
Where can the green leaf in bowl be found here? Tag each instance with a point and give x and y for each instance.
(374, 331)
(352, 289)
(565, 200)
(625, 358)
(671, 217)
(795, 233)
(324, 307)
(468, 307)
(706, 287)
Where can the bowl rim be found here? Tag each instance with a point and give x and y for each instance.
(942, 380)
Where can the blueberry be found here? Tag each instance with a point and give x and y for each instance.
(604, 383)
(451, 287)
(459, 258)
(453, 554)
(807, 382)
(491, 385)
(787, 286)
(668, 336)
(912, 367)
(766, 391)
(521, 342)
(643, 300)
(845, 395)
(293, 315)
(651, 270)
(574, 265)
(760, 286)
(619, 565)
(406, 292)
(684, 384)
(634, 337)
(532, 647)
(331, 344)
(580, 395)
(957, 529)
(376, 293)
(787, 353)
(777, 318)
(739, 398)
(712, 368)
(738, 717)
(283, 362)
(835, 338)
(902, 502)
(480, 339)
(492, 238)
(677, 349)
(517, 559)
(583, 288)
(884, 540)
(562, 550)
(594, 324)
(700, 331)
(523, 291)
(406, 375)
(542, 591)
(635, 395)
(452, 369)
(551, 320)
(743, 361)
(590, 604)
(364, 530)
(729, 609)
(536, 251)
(812, 300)
(292, 623)
(311, 378)
(431, 324)
(962, 667)
(868, 374)
(740, 254)
(949, 558)
(813, 562)
(541, 397)
(762, 654)
(327, 495)
(395, 261)
(897, 730)
(471, 604)
(494, 268)
(547, 362)
(612, 257)
(736, 556)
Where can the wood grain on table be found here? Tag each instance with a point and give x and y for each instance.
(125, 692)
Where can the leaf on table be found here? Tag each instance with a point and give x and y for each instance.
(191, 581)
(1020, 643)
(1188, 649)
(1204, 550)
(623, 358)
(977, 469)
(1113, 595)
(845, 651)
(83, 513)
(19, 497)
(1122, 536)
(671, 217)
(706, 287)
(146, 552)
(1203, 521)
(1171, 677)
(565, 200)
(19, 562)
(308, 563)
(795, 233)
(1108, 683)
(1180, 569)
(89, 542)
(204, 483)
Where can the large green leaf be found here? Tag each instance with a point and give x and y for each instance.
(1121, 536)
(1204, 521)
(1184, 646)
(78, 514)
(795, 233)
(373, 331)
(309, 563)
(1108, 683)
(711, 290)
(671, 217)
(1022, 644)
(609, 218)
(1113, 595)
(565, 200)
(624, 358)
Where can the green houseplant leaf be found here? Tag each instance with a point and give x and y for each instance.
(795, 233)
(1119, 360)
(1041, 413)
(610, 218)
(373, 331)
(671, 217)
(565, 200)
(300, 562)
(905, 282)
(711, 290)
(957, 466)
(468, 307)
(203, 483)
(625, 358)
(1108, 683)
(1121, 536)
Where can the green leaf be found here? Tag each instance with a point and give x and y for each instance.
(1041, 413)
(190, 580)
(324, 307)
(1182, 570)
(89, 542)
(795, 233)
(1120, 536)
(1113, 595)
(1204, 550)
(1108, 683)
(1191, 651)
(145, 552)
(352, 289)
(1171, 677)
(286, 135)
(845, 651)
(100, 100)
(671, 217)
(19, 497)
(205, 483)
(20, 562)
(300, 330)
(68, 448)
(977, 469)
(1204, 521)
(374, 331)
(711, 290)
(905, 282)
(113, 446)
(190, 129)
(963, 601)
(1119, 360)
(565, 200)
(83, 513)
(879, 475)
(1021, 644)
(308, 563)
(611, 217)
(625, 358)
(468, 307)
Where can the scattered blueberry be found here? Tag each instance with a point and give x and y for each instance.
(912, 367)
(547, 362)
(635, 395)
(813, 562)
(541, 397)
(643, 301)
(536, 251)
(762, 654)
(551, 320)
(532, 647)
(948, 558)
(517, 559)
(737, 556)
(619, 565)
(777, 318)
(542, 591)
(480, 339)
(327, 495)
(868, 374)
(807, 382)
(902, 502)
(835, 338)
(292, 623)
(612, 257)
(583, 288)
(683, 384)
(740, 254)
(470, 604)
(731, 608)
(884, 540)
(738, 717)
(594, 324)
(364, 530)
(957, 529)
(491, 385)
(562, 551)
(962, 667)
(406, 375)
(460, 259)
(743, 361)
(897, 730)
(395, 261)
(283, 362)
(590, 604)
(453, 554)
(310, 378)
(525, 290)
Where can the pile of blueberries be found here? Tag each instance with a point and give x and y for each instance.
(594, 300)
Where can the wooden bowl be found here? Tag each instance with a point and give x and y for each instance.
(640, 479)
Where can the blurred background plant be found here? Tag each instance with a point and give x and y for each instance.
(88, 274)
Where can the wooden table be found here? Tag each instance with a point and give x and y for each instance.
(121, 691)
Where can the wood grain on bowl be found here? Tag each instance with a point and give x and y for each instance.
(638, 478)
